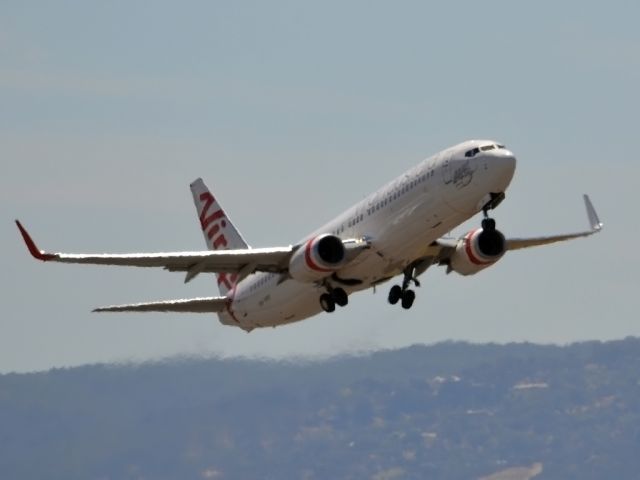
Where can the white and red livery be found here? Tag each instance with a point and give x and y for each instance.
(397, 230)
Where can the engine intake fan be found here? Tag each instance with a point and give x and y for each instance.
(478, 249)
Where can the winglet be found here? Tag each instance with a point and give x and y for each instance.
(31, 245)
(594, 221)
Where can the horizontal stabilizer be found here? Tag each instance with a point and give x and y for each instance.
(195, 305)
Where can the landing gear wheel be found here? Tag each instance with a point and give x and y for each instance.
(403, 293)
(394, 294)
(327, 303)
(340, 297)
(408, 296)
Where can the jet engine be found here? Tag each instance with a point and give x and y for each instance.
(317, 258)
(477, 250)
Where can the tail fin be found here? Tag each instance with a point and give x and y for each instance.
(219, 232)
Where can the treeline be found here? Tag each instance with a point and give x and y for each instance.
(451, 410)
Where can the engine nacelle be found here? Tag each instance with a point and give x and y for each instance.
(317, 258)
(477, 250)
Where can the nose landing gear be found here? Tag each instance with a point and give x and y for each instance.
(488, 224)
(334, 296)
(403, 293)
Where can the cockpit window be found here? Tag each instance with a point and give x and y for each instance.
(472, 152)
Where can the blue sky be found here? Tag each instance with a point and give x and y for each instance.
(292, 111)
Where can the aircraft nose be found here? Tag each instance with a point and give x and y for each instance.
(503, 164)
(509, 161)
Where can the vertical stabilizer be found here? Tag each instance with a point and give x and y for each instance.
(219, 232)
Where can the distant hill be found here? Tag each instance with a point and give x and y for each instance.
(452, 410)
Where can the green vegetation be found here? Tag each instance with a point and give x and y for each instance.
(451, 410)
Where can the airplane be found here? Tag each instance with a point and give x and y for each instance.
(397, 230)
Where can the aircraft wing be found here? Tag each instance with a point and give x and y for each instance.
(441, 250)
(196, 305)
(243, 261)
(594, 227)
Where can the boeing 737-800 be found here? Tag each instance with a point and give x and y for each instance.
(397, 230)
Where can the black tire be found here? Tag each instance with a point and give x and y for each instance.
(327, 303)
(340, 297)
(395, 294)
(408, 296)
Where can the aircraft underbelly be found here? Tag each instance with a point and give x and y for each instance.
(288, 302)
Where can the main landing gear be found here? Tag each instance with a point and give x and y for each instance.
(333, 297)
(403, 293)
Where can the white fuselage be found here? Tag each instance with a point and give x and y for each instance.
(401, 220)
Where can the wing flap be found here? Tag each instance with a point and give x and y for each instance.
(195, 305)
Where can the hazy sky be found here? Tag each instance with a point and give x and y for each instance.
(292, 111)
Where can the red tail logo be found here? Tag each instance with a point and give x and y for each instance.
(220, 241)
(227, 280)
(213, 225)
